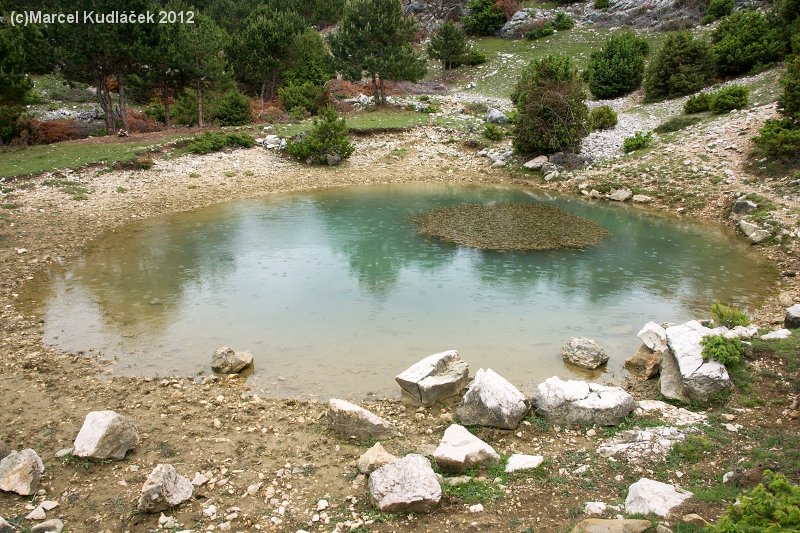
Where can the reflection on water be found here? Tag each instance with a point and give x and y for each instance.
(335, 293)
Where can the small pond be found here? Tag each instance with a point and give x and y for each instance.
(335, 293)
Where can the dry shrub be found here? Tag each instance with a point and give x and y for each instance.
(269, 113)
(509, 7)
(141, 123)
(53, 131)
(342, 107)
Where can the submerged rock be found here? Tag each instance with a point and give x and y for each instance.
(436, 377)
(492, 401)
(506, 227)
(228, 361)
(406, 485)
(461, 450)
(21, 472)
(105, 435)
(164, 488)
(568, 402)
(584, 352)
(647, 496)
(350, 420)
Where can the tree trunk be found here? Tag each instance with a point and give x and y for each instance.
(105, 102)
(383, 93)
(165, 98)
(263, 91)
(200, 121)
(123, 112)
(375, 95)
(272, 86)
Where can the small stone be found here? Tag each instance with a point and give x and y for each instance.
(477, 508)
(50, 526)
(647, 496)
(105, 435)
(49, 505)
(228, 361)
(619, 195)
(434, 378)
(584, 352)
(519, 461)
(461, 450)
(594, 508)
(349, 419)
(620, 525)
(694, 519)
(20, 472)
(37, 514)
(199, 480)
(492, 401)
(164, 488)
(791, 319)
(645, 363)
(373, 459)
(536, 163)
(642, 199)
(406, 485)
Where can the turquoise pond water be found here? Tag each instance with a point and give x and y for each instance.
(335, 293)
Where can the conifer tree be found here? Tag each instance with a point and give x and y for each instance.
(448, 45)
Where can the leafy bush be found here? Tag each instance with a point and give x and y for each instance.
(563, 22)
(684, 65)
(328, 142)
(184, 110)
(473, 57)
(306, 97)
(698, 103)
(729, 98)
(637, 142)
(718, 9)
(676, 123)
(493, 132)
(215, 141)
(155, 110)
(779, 138)
(747, 41)
(617, 68)
(448, 45)
(789, 101)
(541, 29)
(484, 17)
(771, 507)
(729, 352)
(9, 123)
(728, 316)
(601, 4)
(233, 109)
(551, 110)
(603, 118)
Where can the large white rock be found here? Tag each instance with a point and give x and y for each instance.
(373, 459)
(677, 416)
(617, 525)
(495, 116)
(519, 461)
(792, 317)
(5, 527)
(584, 352)
(653, 336)
(492, 401)
(105, 435)
(228, 361)
(568, 402)
(701, 379)
(20, 472)
(406, 485)
(647, 496)
(436, 377)
(640, 445)
(164, 488)
(777, 334)
(536, 163)
(350, 420)
(460, 450)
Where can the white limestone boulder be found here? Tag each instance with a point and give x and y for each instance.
(492, 401)
(653, 336)
(373, 459)
(21, 472)
(616, 525)
(791, 318)
(105, 435)
(777, 334)
(641, 445)
(164, 488)
(350, 420)
(520, 461)
(677, 416)
(584, 352)
(568, 402)
(701, 379)
(228, 361)
(460, 450)
(648, 496)
(434, 378)
(406, 485)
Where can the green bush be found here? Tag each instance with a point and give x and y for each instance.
(729, 352)
(311, 98)
(698, 103)
(563, 22)
(728, 316)
(484, 17)
(772, 507)
(10, 122)
(747, 41)
(155, 110)
(184, 110)
(601, 4)
(215, 141)
(551, 110)
(603, 118)
(617, 68)
(789, 101)
(537, 32)
(779, 138)
(684, 65)
(233, 109)
(729, 98)
(493, 132)
(637, 142)
(718, 9)
(473, 57)
(676, 124)
(328, 142)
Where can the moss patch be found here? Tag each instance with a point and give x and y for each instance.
(507, 227)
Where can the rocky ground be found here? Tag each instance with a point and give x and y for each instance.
(270, 463)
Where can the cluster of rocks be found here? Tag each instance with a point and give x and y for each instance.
(659, 15)
(756, 231)
(272, 142)
(432, 13)
(104, 435)
(551, 166)
(524, 20)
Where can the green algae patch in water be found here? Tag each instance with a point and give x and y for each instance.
(510, 227)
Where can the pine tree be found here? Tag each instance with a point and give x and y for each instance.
(617, 68)
(374, 38)
(448, 45)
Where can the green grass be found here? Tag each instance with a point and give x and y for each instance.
(68, 154)
(11, 205)
(72, 188)
(383, 119)
(474, 491)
